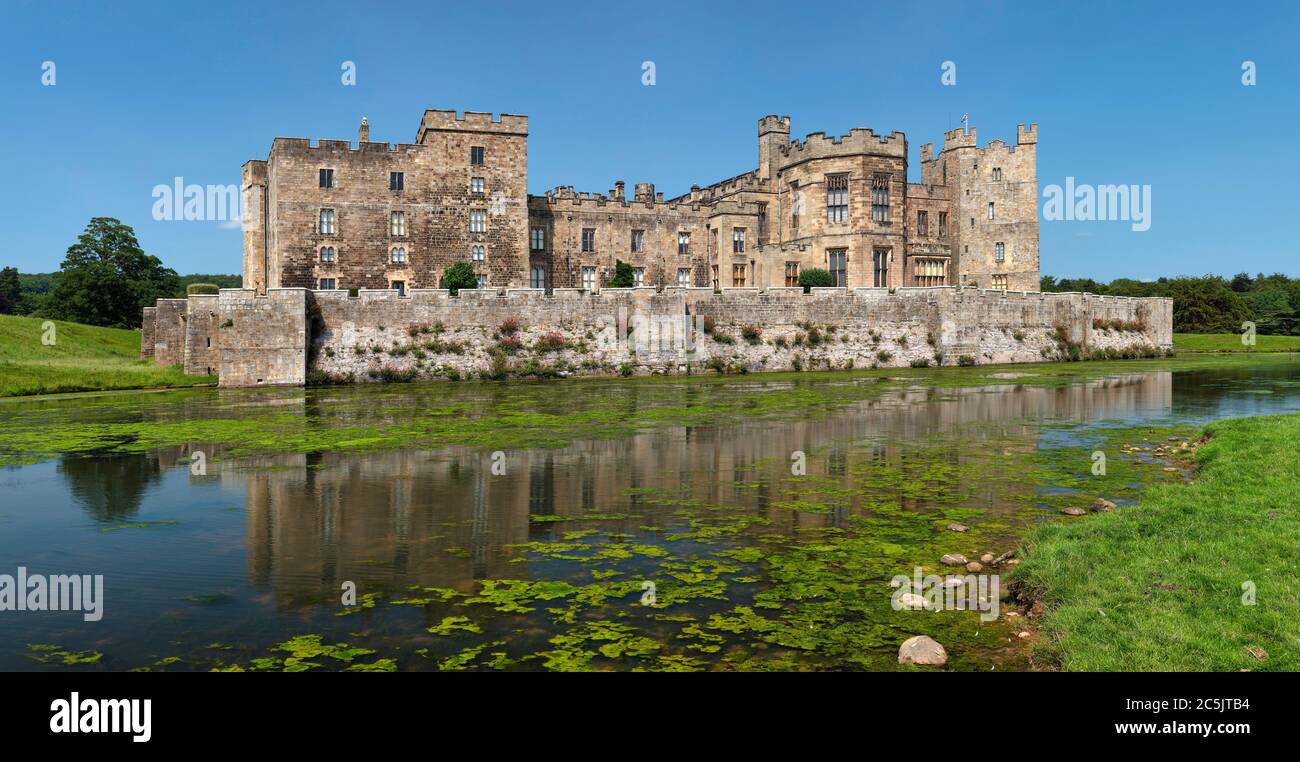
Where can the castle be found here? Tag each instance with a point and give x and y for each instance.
(345, 248)
(377, 216)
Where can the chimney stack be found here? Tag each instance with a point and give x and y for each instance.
(363, 134)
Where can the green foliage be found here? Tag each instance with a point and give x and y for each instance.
(458, 276)
(1209, 304)
(10, 291)
(815, 277)
(624, 277)
(106, 278)
(206, 289)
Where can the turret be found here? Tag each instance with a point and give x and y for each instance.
(773, 135)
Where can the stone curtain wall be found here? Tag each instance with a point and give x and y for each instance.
(292, 336)
(380, 336)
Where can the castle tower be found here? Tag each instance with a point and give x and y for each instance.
(773, 135)
(253, 223)
(363, 132)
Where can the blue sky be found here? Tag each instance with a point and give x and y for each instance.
(1123, 93)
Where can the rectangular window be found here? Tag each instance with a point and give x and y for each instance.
(999, 252)
(930, 272)
(478, 220)
(796, 203)
(396, 181)
(398, 255)
(538, 239)
(638, 241)
(397, 224)
(837, 198)
(990, 210)
(328, 284)
(482, 280)
(477, 185)
(476, 155)
(683, 244)
(1000, 282)
(476, 253)
(327, 178)
(762, 221)
(880, 268)
(400, 287)
(588, 239)
(638, 276)
(791, 273)
(880, 198)
(327, 254)
(327, 222)
(589, 278)
(684, 277)
(737, 240)
(737, 275)
(714, 274)
(922, 223)
(837, 261)
(537, 278)
(943, 225)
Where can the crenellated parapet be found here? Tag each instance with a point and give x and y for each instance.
(859, 141)
(442, 120)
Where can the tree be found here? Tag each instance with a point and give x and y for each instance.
(10, 291)
(815, 277)
(458, 276)
(1206, 305)
(624, 277)
(107, 279)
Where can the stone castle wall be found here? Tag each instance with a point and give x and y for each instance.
(292, 336)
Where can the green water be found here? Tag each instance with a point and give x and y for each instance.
(746, 522)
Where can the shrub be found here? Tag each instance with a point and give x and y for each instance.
(458, 276)
(921, 363)
(510, 344)
(201, 288)
(508, 327)
(965, 361)
(938, 359)
(627, 369)
(884, 356)
(815, 277)
(752, 333)
(1018, 335)
(551, 342)
(624, 276)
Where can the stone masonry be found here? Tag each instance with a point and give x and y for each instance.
(344, 245)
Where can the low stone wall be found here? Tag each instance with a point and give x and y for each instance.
(169, 331)
(291, 336)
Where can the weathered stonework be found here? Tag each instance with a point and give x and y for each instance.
(945, 271)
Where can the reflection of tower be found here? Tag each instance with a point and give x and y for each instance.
(479, 532)
(109, 488)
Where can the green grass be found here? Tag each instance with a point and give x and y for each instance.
(1231, 342)
(1159, 586)
(83, 358)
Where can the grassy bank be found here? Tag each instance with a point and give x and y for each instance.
(82, 358)
(1231, 342)
(1160, 585)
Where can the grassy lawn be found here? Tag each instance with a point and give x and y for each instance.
(1159, 585)
(84, 358)
(1231, 342)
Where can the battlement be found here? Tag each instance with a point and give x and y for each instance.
(859, 140)
(304, 146)
(564, 198)
(773, 123)
(440, 120)
(961, 137)
(1026, 136)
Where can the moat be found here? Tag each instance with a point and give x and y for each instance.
(515, 525)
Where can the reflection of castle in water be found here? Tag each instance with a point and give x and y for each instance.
(394, 520)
